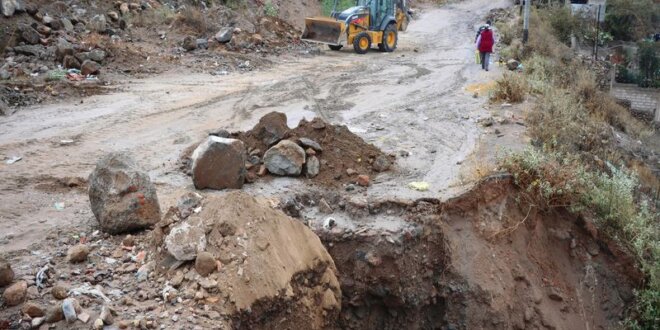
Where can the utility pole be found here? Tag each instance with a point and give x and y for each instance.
(527, 4)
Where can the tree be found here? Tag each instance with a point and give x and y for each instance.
(632, 20)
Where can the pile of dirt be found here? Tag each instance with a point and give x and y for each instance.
(266, 269)
(344, 156)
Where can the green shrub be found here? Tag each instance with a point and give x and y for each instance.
(270, 9)
(562, 21)
(649, 64)
(341, 5)
(632, 19)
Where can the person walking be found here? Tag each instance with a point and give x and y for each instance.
(485, 44)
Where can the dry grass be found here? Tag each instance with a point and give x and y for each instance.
(511, 87)
(192, 19)
(162, 15)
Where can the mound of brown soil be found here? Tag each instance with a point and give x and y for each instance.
(272, 271)
(342, 150)
(344, 155)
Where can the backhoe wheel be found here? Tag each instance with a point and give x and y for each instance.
(335, 47)
(362, 43)
(390, 39)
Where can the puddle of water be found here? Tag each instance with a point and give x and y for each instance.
(482, 87)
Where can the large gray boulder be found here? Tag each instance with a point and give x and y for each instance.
(219, 163)
(285, 158)
(122, 196)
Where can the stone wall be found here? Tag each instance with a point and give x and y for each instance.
(645, 101)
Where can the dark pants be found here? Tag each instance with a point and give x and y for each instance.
(485, 60)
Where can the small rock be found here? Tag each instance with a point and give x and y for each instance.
(97, 55)
(106, 315)
(202, 43)
(98, 324)
(123, 9)
(350, 172)
(184, 241)
(29, 35)
(313, 167)
(33, 309)
(113, 15)
(285, 158)
(363, 180)
(9, 7)
(512, 64)
(309, 143)
(128, 241)
(324, 207)
(90, 67)
(15, 294)
(487, 122)
(189, 43)
(555, 294)
(310, 152)
(97, 24)
(6, 273)
(224, 35)
(318, 124)
(59, 292)
(205, 263)
(84, 317)
(37, 321)
(54, 313)
(70, 62)
(62, 49)
(69, 309)
(66, 24)
(262, 170)
(177, 279)
(77, 253)
(208, 284)
(381, 164)
(593, 248)
(223, 133)
(329, 301)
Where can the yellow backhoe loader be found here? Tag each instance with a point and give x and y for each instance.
(368, 22)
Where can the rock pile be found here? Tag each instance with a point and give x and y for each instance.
(316, 150)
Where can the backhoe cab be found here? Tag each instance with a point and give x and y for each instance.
(368, 22)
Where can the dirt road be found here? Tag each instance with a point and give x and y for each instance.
(413, 100)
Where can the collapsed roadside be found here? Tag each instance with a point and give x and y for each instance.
(590, 155)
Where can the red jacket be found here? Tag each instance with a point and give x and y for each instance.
(486, 41)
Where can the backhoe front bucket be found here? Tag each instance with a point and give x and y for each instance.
(323, 30)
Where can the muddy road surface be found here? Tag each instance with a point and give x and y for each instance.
(412, 103)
